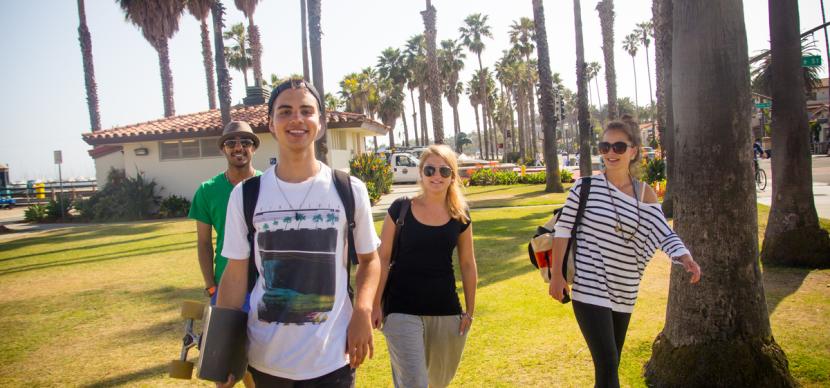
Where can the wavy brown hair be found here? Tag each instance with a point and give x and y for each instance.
(455, 201)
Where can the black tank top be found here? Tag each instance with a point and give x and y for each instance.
(422, 281)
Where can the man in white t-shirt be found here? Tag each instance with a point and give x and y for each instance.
(302, 326)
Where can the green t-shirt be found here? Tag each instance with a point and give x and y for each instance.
(210, 203)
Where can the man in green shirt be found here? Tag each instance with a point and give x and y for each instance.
(238, 143)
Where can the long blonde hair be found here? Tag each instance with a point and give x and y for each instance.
(455, 201)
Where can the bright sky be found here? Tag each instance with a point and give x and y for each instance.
(43, 100)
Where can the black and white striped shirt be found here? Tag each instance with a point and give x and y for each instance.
(608, 268)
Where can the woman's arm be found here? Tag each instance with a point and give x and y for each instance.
(469, 276)
(685, 258)
(387, 238)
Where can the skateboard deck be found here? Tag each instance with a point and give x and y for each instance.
(222, 343)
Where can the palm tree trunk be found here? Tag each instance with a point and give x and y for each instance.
(405, 129)
(606, 20)
(650, 93)
(547, 108)
(208, 63)
(599, 99)
(520, 106)
(494, 140)
(89, 69)
(636, 93)
(456, 126)
(582, 100)
(533, 143)
(315, 34)
(244, 64)
(793, 235)
(223, 77)
(375, 141)
(304, 37)
(482, 92)
(166, 78)
(414, 117)
(478, 128)
(721, 322)
(513, 133)
(422, 106)
(662, 15)
(256, 50)
(433, 76)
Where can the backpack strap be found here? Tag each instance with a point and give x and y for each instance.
(343, 184)
(584, 191)
(250, 194)
(402, 212)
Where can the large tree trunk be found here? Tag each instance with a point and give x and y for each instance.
(414, 117)
(304, 37)
(662, 15)
(433, 76)
(315, 34)
(717, 332)
(166, 78)
(793, 236)
(89, 69)
(208, 63)
(582, 98)
(422, 106)
(405, 129)
(606, 21)
(547, 106)
(256, 50)
(223, 77)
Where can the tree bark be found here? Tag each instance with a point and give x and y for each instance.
(414, 117)
(662, 15)
(223, 77)
(166, 78)
(793, 235)
(606, 21)
(636, 92)
(583, 115)
(422, 106)
(89, 69)
(494, 140)
(304, 37)
(208, 63)
(478, 128)
(315, 34)
(547, 106)
(482, 92)
(256, 50)
(456, 125)
(650, 93)
(717, 332)
(520, 110)
(433, 76)
(405, 129)
(533, 146)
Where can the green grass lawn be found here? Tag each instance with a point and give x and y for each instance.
(99, 306)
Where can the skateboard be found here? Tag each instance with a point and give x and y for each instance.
(221, 343)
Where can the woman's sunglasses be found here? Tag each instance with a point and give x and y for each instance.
(445, 171)
(618, 147)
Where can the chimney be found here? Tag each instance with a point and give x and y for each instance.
(256, 95)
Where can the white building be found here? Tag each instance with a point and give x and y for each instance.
(180, 152)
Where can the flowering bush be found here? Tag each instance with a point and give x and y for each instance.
(565, 176)
(372, 168)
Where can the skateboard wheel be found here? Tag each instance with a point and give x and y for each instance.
(181, 369)
(193, 310)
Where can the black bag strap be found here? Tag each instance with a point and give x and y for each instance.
(250, 194)
(343, 184)
(402, 212)
(584, 191)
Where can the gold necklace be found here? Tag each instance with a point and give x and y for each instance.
(618, 228)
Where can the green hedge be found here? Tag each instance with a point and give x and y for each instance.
(488, 177)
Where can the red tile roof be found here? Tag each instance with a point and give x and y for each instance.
(209, 123)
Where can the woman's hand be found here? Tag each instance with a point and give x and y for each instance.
(691, 266)
(228, 384)
(377, 316)
(558, 287)
(466, 322)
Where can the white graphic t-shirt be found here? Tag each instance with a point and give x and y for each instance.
(300, 307)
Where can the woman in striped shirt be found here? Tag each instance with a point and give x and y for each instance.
(621, 228)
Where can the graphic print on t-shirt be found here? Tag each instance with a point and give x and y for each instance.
(297, 249)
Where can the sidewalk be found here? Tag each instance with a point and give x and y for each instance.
(821, 197)
(409, 190)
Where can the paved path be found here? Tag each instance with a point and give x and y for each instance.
(821, 185)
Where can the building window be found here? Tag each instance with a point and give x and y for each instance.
(188, 149)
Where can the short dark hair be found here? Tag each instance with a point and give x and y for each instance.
(295, 83)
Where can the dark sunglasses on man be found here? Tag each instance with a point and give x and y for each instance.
(445, 171)
(245, 143)
(619, 147)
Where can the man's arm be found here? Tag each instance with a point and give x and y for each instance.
(359, 338)
(204, 249)
(234, 284)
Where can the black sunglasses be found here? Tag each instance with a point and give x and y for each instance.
(445, 171)
(245, 143)
(618, 147)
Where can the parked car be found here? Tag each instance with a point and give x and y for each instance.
(648, 153)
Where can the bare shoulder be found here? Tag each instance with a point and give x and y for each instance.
(649, 196)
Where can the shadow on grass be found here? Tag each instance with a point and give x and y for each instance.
(144, 374)
(88, 247)
(84, 233)
(781, 282)
(479, 192)
(101, 257)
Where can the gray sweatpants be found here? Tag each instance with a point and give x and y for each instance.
(424, 350)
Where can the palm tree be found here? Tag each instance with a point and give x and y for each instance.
(332, 102)
(724, 318)
(248, 7)
(473, 92)
(546, 105)
(606, 21)
(662, 15)
(762, 75)
(433, 76)
(582, 100)
(593, 74)
(631, 44)
(304, 36)
(390, 102)
(472, 34)
(200, 9)
(522, 36)
(158, 21)
(410, 66)
(645, 31)
(451, 58)
(238, 56)
(794, 235)
(223, 78)
(391, 66)
(417, 63)
(315, 35)
(89, 69)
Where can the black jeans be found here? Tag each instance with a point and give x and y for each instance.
(341, 378)
(604, 331)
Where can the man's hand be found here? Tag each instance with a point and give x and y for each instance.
(466, 322)
(359, 338)
(691, 266)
